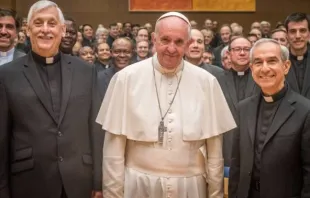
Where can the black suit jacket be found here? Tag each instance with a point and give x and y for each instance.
(217, 55)
(292, 81)
(230, 93)
(285, 157)
(103, 79)
(17, 54)
(39, 154)
(215, 71)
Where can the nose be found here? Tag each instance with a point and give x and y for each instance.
(297, 34)
(171, 48)
(265, 68)
(3, 30)
(45, 27)
(195, 44)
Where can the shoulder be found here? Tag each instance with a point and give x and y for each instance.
(302, 102)
(138, 68)
(198, 72)
(77, 63)
(18, 53)
(14, 65)
(215, 70)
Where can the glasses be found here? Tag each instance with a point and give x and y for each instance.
(239, 49)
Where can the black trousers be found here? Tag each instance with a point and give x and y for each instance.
(63, 193)
(254, 193)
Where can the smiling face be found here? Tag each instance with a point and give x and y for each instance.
(268, 69)
(69, 40)
(171, 39)
(7, 33)
(240, 54)
(196, 48)
(87, 54)
(121, 52)
(298, 35)
(45, 31)
(142, 49)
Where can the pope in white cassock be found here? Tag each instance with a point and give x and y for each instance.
(164, 119)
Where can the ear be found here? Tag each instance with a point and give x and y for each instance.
(153, 35)
(28, 31)
(287, 65)
(251, 66)
(63, 30)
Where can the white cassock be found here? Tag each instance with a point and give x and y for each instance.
(189, 162)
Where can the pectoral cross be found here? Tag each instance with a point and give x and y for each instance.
(161, 130)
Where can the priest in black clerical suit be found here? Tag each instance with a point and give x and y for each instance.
(50, 145)
(299, 74)
(238, 85)
(271, 150)
(118, 62)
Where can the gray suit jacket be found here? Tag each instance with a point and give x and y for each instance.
(17, 54)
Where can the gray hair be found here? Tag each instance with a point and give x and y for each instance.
(224, 50)
(101, 30)
(284, 51)
(43, 4)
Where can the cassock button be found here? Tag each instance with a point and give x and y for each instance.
(61, 159)
(250, 173)
(59, 134)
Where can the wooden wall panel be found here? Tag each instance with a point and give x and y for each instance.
(107, 11)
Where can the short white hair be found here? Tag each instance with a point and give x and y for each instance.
(285, 54)
(43, 4)
(224, 50)
(101, 30)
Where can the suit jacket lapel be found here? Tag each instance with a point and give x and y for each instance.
(31, 73)
(306, 83)
(252, 116)
(66, 74)
(284, 111)
(231, 87)
(250, 86)
(292, 80)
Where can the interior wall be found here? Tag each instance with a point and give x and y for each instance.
(107, 11)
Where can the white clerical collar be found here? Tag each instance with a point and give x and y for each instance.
(164, 70)
(241, 73)
(268, 98)
(300, 58)
(8, 53)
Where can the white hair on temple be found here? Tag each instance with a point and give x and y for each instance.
(224, 50)
(43, 4)
(284, 51)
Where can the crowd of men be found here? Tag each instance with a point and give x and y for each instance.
(131, 111)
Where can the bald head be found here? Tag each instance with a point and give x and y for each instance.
(122, 41)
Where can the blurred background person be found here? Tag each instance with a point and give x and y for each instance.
(87, 54)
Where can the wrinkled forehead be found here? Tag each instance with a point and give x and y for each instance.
(48, 13)
(267, 50)
(241, 42)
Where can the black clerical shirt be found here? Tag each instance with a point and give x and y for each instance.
(266, 113)
(241, 80)
(299, 67)
(49, 70)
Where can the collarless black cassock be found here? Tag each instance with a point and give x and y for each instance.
(299, 65)
(49, 70)
(241, 80)
(266, 111)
